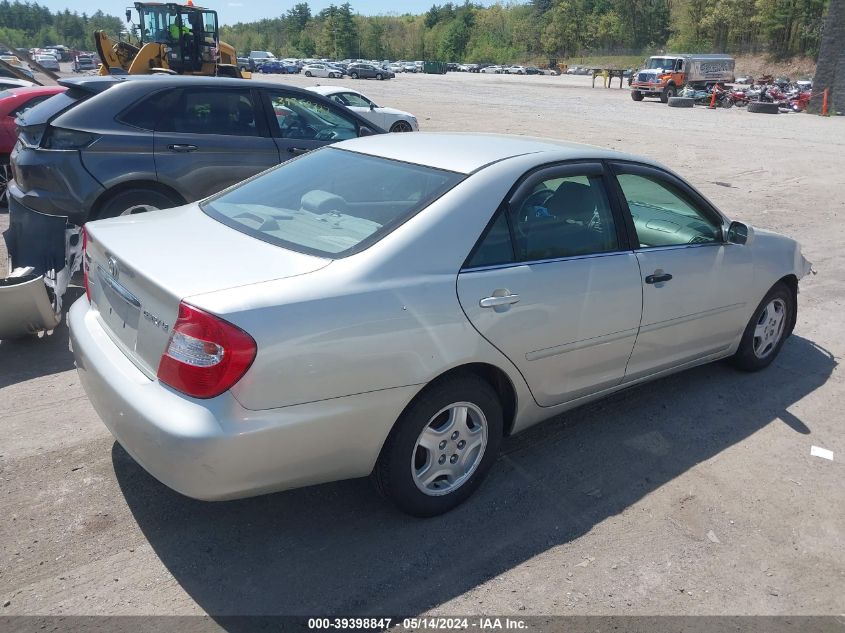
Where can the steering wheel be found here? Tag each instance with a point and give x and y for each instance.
(326, 134)
(527, 212)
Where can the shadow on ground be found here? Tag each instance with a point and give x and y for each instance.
(338, 548)
(34, 356)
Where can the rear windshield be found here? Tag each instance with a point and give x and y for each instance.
(331, 202)
(46, 110)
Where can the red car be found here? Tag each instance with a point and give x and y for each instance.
(12, 103)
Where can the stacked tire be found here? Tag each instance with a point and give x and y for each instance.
(681, 102)
(763, 107)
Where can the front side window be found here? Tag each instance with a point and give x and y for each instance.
(663, 215)
(330, 202)
(211, 111)
(299, 117)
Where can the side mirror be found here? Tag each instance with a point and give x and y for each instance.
(365, 131)
(372, 106)
(739, 233)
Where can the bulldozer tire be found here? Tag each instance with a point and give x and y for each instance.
(762, 107)
(681, 102)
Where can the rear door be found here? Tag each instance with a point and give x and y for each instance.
(209, 138)
(299, 123)
(694, 282)
(553, 285)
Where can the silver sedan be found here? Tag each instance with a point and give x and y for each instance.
(394, 305)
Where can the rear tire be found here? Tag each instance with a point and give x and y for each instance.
(5, 177)
(681, 102)
(767, 330)
(136, 200)
(353, 75)
(454, 426)
(762, 107)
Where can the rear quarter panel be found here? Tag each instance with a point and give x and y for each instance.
(386, 317)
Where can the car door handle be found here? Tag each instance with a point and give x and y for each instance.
(182, 148)
(493, 302)
(656, 279)
(296, 151)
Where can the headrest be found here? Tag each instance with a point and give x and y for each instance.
(573, 201)
(319, 201)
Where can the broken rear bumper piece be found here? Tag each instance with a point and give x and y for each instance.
(44, 253)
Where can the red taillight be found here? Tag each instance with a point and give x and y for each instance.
(85, 263)
(205, 355)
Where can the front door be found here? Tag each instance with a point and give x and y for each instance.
(693, 281)
(553, 285)
(211, 138)
(299, 123)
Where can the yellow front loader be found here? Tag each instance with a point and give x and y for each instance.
(178, 39)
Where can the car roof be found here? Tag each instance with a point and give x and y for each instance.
(35, 90)
(330, 90)
(467, 153)
(97, 83)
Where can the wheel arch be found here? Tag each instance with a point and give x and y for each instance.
(492, 375)
(110, 193)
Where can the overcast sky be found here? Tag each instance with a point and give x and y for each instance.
(231, 11)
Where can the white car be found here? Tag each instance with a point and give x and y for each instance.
(410, 67)
(491, 70)
(322, 70)
(515, 70)
(397, 68)
(386, 118)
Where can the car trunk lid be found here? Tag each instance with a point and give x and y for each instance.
(141, 267)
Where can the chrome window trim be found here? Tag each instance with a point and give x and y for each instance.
(533, 262)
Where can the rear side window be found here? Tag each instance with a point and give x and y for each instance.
(211, 111)
(46, 110)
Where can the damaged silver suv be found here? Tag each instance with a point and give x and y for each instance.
(112, 146)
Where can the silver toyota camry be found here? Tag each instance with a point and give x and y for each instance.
(394, 305)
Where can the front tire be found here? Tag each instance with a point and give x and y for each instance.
(307, 73)
(636, 95)
(668, 93)
(442, 447)
(5, 177)
(379, 76)
(767, 330)
(401, 126)
(354, 75)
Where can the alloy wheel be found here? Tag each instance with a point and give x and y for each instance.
(139, 208)
(769, 329)
(401, 126)
(5, 176)
(449, 449)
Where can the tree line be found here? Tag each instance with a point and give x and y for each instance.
(517, 31)
(28, 24)
(541, 28)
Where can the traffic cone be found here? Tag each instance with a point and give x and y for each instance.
(713, 98)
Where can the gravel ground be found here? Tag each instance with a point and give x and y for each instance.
(696, 494)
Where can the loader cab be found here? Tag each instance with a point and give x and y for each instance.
(189, 33)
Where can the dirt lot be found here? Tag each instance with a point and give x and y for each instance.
(696, 494)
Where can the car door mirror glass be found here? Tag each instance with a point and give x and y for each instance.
(737, 233)
(365, 131)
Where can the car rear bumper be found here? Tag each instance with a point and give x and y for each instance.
(215, 449)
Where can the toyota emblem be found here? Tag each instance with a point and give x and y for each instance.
(114, 270)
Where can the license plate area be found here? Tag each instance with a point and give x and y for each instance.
(119, 309)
